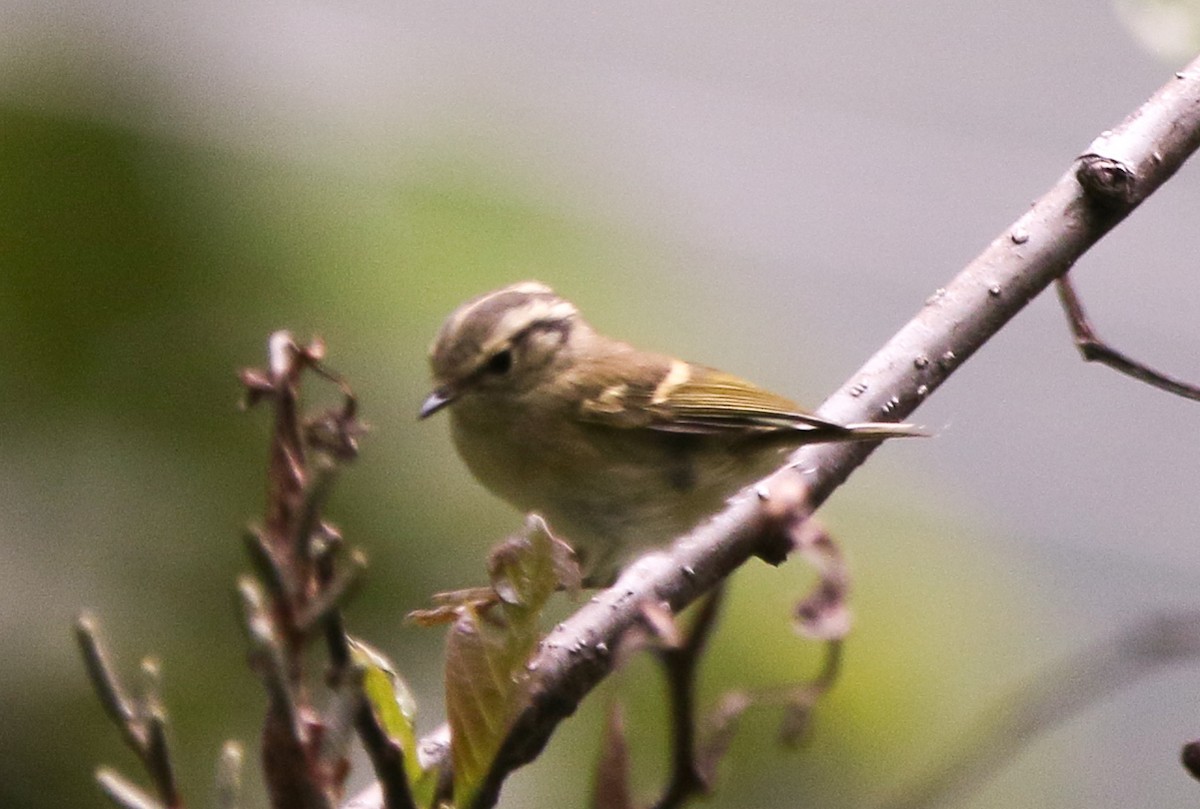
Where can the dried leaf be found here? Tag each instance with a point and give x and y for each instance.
(661, 623)
(824, 613)
(721, 727)
(447, 606)
(437, 616)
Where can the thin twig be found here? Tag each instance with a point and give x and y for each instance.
(680, 664)
(142, 722)
(123, 792)
(269, 566)
(800, 701)
(611, 787)
(269, 657)
(343, 582)
(158, 757)
(113, 698)
(1094, 349)
(319, 478)
(227, 783)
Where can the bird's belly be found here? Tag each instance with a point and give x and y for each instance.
(610, 493)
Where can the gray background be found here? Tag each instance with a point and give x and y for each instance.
(803, 175)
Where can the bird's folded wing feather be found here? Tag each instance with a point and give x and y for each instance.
(694, 399)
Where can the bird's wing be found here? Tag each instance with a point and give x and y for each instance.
(686, 398)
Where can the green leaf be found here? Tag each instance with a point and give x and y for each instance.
(395, 709)
(487, 682)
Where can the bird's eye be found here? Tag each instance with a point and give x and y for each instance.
(500, 363)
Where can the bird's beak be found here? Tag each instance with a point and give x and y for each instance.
(436, 401)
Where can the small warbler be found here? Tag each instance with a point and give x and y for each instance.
(617, 448)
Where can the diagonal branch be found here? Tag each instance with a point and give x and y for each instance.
(1119, 170)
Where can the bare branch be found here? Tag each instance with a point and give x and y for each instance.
(227, 784)
(611, 787)
(680, 663)
(123, 792)
(116, 702)
(341, 585)
(1145, 150)
(1094, 349)
(142, 721)
(158, 757)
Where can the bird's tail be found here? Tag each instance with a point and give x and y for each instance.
(879, 430)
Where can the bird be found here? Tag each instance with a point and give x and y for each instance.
(618, 449)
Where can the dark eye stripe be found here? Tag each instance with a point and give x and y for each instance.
(500, 363)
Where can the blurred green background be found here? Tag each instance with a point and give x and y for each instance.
(773, 190)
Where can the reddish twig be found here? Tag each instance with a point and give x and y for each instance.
(308, 574)
(1094, 349)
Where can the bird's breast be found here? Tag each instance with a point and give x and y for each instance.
(608, 491)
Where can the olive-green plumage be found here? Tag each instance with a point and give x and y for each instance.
(618, 449)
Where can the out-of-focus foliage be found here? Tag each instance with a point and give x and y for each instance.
(139, 270)
(137, 273)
